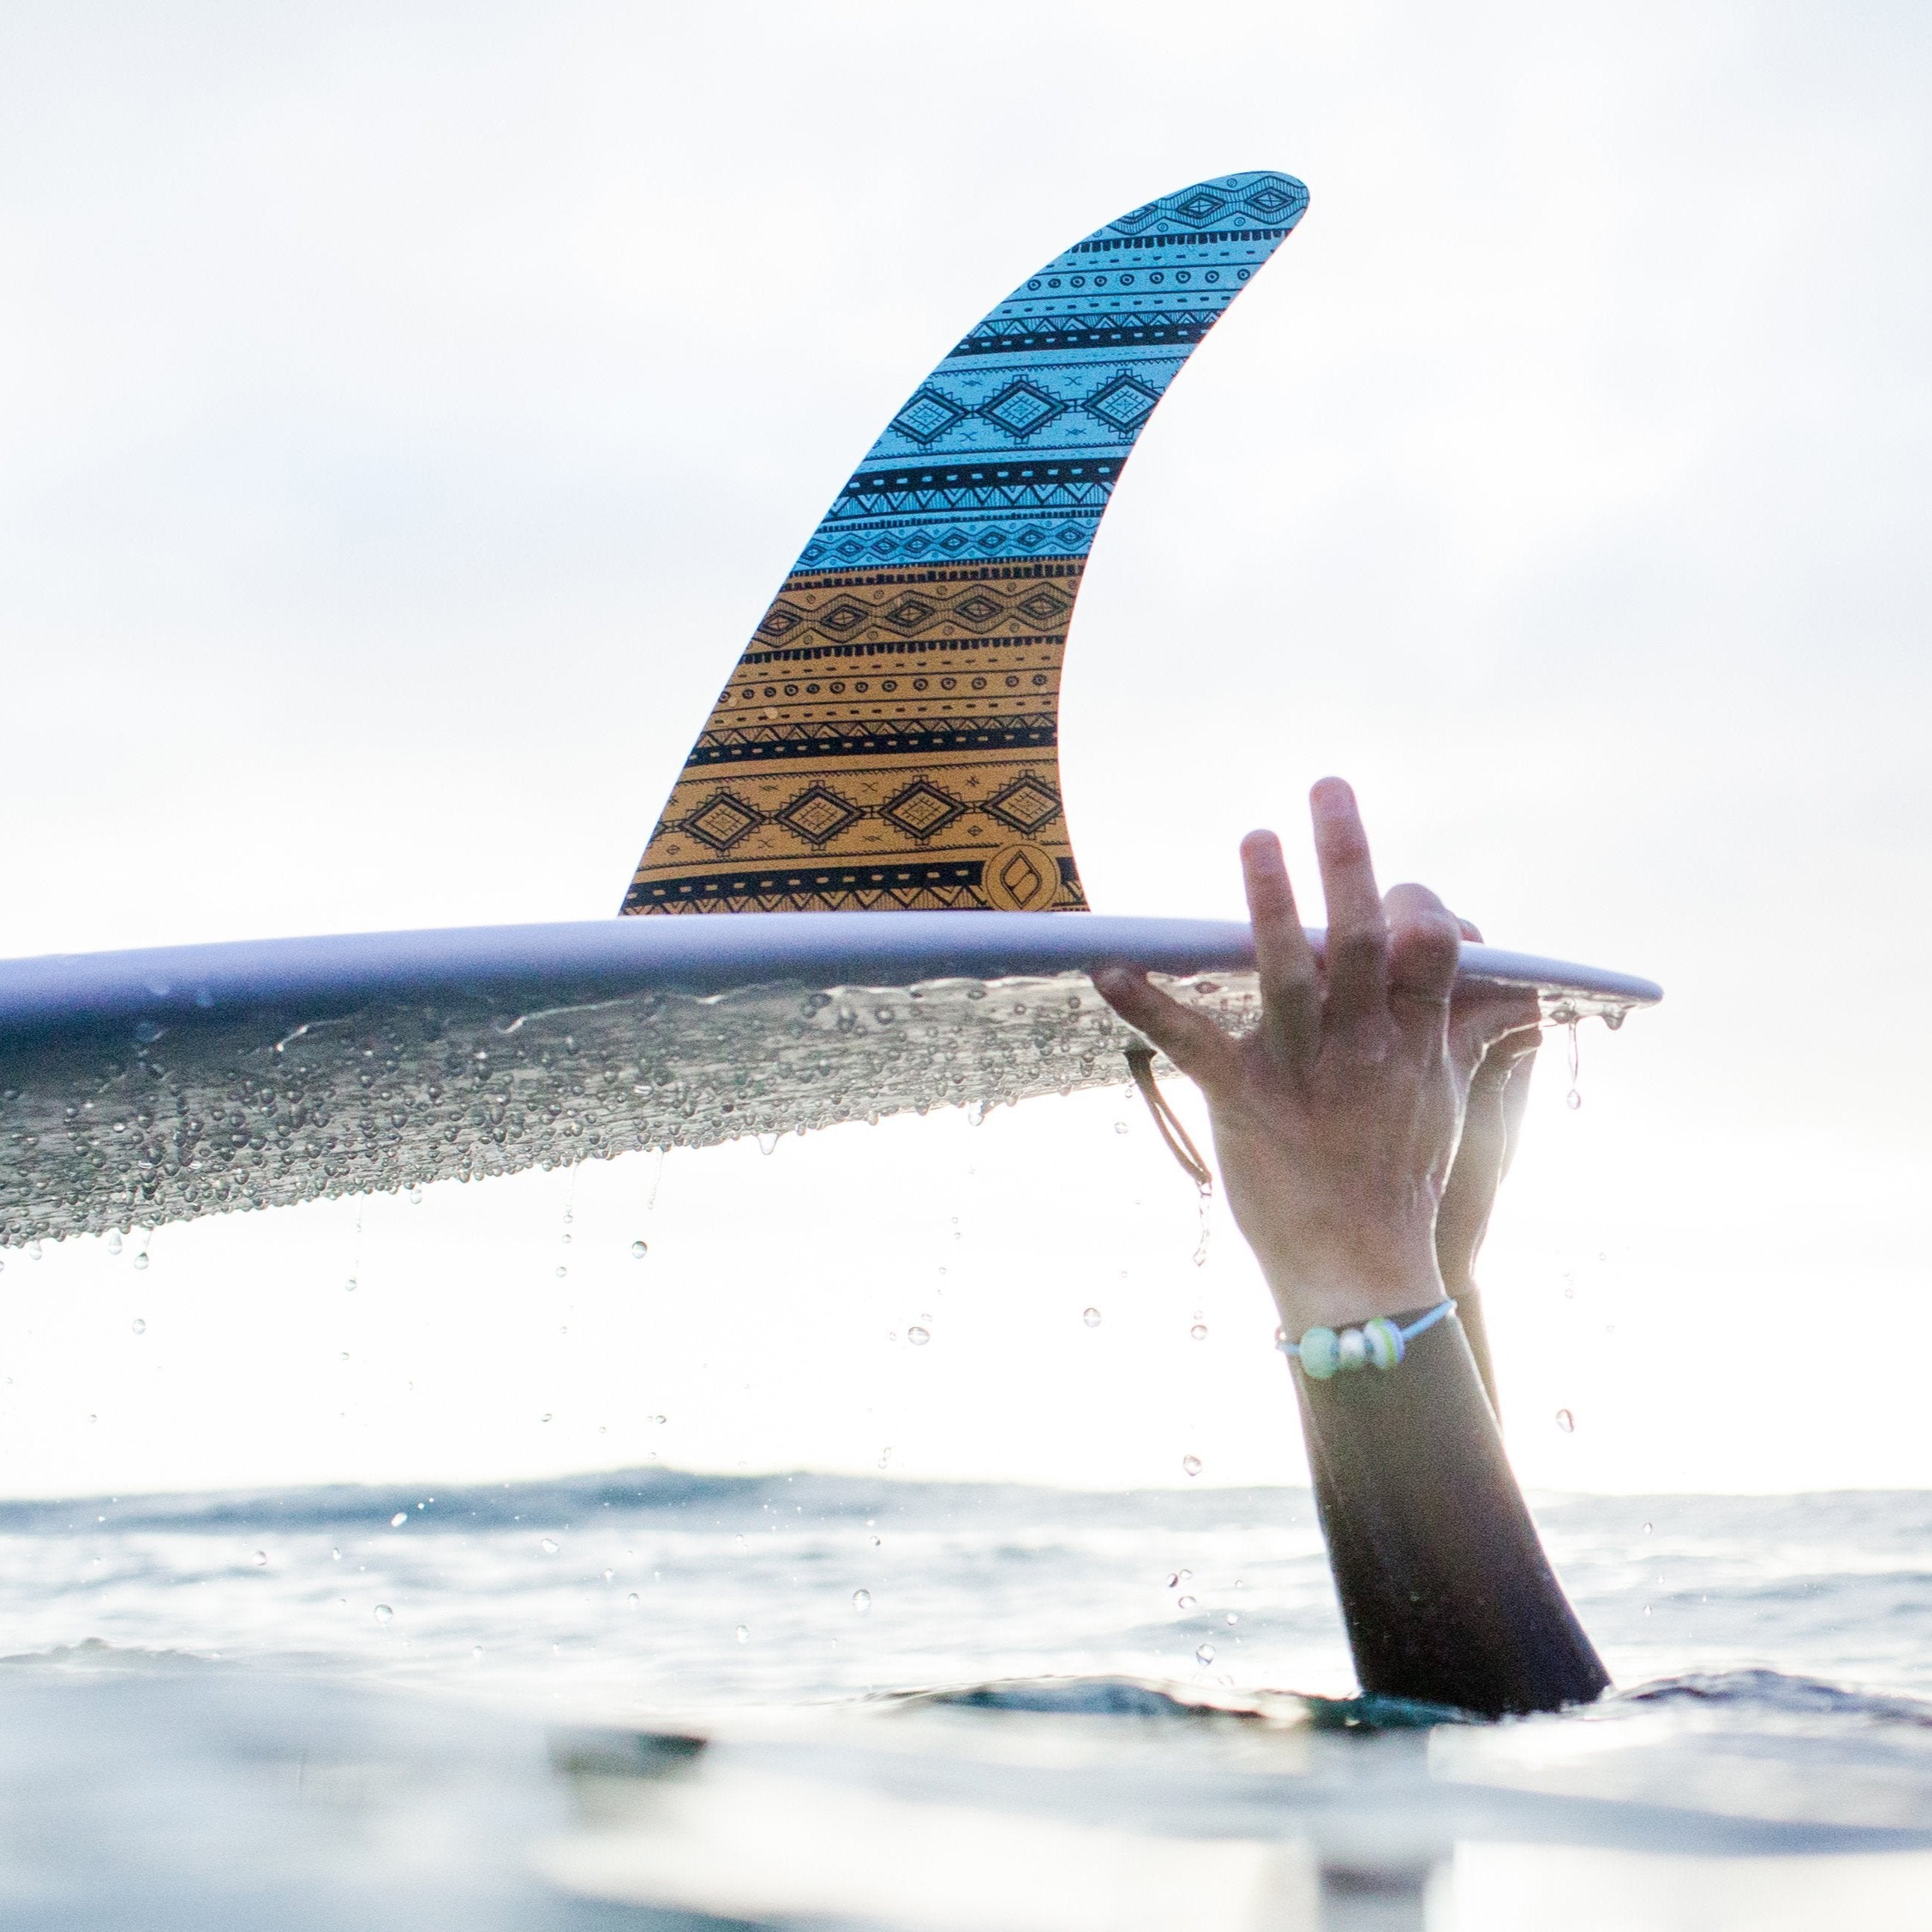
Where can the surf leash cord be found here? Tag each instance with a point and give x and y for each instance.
(1140, 1064)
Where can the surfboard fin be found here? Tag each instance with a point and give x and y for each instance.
(889, 738)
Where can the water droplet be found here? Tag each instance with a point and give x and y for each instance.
(919, 1337)
(416, 1197)
(862, 1601)
(476, 1653)
(1573, 1099)
(33, 1251)
(1092, 1318)
(140, 1260)
(631, 1601)
(545, 1416)
(1566, 1422)
(140, 1327)
(548, 1546)
(743, 1634)
(400, 1517)
(768, 1143)
(1234, 1617)
(1191, 1464)
(609, 1575)
(260, 1559)
(1204, 1654)
(114, 1240)
(638, 1250)
(335, 1556)
(1120, 1127)
(1173, 1579)
(384, 1614)
(561, 1273)
(1646, 1610)
(349, 1286)
(1198, 1332)
(1646, 1529)
(1185, 1602)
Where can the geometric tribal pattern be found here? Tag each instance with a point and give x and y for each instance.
(889, 737)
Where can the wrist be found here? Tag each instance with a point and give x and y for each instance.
(1346, 1293)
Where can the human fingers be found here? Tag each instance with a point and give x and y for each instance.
(1291, 986)
(1424, 943)
(1516, 1092)
(1190, 1039)
(1484, 1019)
(1358, 944)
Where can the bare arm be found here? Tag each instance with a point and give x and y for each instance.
(1338, 1123)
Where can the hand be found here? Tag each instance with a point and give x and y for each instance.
(1337, 1119)
(1492, 1125)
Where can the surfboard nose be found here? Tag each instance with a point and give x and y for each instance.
(889, 739)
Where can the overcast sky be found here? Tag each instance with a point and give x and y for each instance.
(406, 412)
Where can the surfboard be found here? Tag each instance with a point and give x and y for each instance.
(873, 806)
(141, 1087)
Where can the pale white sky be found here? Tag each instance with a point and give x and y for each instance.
(405, 412)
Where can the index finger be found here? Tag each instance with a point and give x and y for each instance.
(1284, 961)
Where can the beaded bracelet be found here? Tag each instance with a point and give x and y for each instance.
(1380, 1343)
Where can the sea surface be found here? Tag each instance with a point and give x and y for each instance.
(662, 1700)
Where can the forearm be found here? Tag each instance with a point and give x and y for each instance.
(1446, 1591)
(1469, 1312)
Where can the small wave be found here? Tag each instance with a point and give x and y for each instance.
(707, 1500)
(1149, 1700)
(1758, 1690)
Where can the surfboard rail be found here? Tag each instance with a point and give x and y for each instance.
(191, 984)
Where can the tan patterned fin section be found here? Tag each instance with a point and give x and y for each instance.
(889, 741)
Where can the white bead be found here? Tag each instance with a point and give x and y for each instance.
(1354, 1349)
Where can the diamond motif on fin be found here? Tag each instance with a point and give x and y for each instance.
(1020, 409)
(721, 820)
(818, 814)
(928, 416)
(921, 809)
(1026, 804)
(1124, 403)
(1200, 208)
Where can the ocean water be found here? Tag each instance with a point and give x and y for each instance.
(663, 1700)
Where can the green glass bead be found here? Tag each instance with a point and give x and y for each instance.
(1321, 1354)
